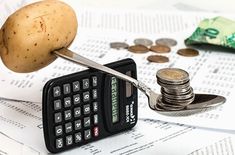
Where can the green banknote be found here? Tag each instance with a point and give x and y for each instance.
(216, 31)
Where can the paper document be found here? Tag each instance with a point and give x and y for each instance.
(208, 74)
(7, 144)
(211, 72)
(21, 128)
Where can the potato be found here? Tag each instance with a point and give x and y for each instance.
(32, 33)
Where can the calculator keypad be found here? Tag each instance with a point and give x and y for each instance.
(78, 108)
(75, 112)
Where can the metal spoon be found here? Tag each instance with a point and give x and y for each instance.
(202, 101)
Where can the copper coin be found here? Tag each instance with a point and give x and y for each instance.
(188, 52)
(166, 41)
(138, 49)
(160, 49)
(158, 59)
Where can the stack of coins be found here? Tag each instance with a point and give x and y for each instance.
(175, 88)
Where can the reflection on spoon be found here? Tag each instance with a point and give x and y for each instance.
(201, 103)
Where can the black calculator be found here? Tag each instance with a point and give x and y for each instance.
(87, 106)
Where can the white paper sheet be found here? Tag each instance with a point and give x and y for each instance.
(9, 146)
(208, 72)
(21, 122)
(21, 128)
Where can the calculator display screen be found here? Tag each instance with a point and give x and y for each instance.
(114, 100)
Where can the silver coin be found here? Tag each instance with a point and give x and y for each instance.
(176, 101)
(178, 96)
(172, 75)
(174, 86)
(166, 41)
(119, 45)
(176, 91)
(162, 110)
(173, 82)
(174, 105)
(143, 41)
(166, 106)
(179, 102)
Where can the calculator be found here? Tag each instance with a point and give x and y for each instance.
(87, 106)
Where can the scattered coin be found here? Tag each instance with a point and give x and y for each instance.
(158, 59)
(138, 49)
(188, 52)
(160, 49)
(166, 41)
(143, 41)
(119, 45)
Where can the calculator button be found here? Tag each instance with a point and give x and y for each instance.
(94, 93)
(67, 115)
(96, 131)
(85, 83)
(66, 89)
(95, 106)
(68, 127)
(59, 143)
(58, 130)
(94, 81)
(86, 109)
(86, 121)
(77, 112)
(56, 91)
(67, 102)
(95, 119)
(77, 124)
(87, 134)
(57, 104)
(86, 96)
(78, 137)
(69, 140)
(76, 99)
(76, 86)
(58, 117)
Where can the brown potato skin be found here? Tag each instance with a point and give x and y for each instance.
(29, 35)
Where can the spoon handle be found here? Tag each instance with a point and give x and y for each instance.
(76, 58)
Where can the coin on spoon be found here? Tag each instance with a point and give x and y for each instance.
(119, 45)
(160, 49)
(172, 75)
(138, 49)
(158, 59)
(188, 52)
(166, 41)
(143, 41)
